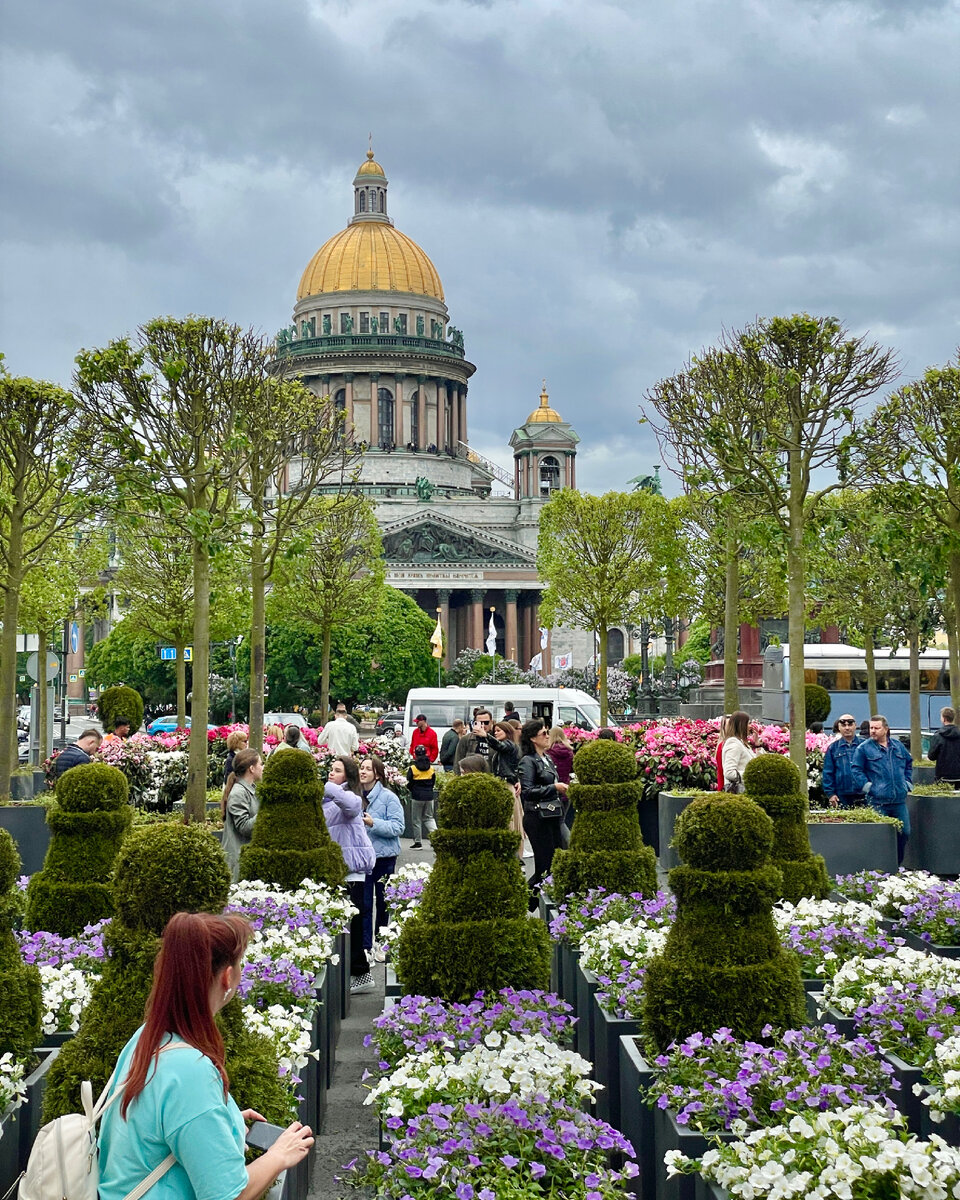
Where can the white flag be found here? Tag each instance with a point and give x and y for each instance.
(563, 662)
(491, 637)
(536, 663)
(544, 634)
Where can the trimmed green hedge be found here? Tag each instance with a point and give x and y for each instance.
(723, 964)
(606, 847)
(88, 821)
(20, 1001)
(817, 702)
(120, 701)
(773, 781)
(290, 841)
(471, 931)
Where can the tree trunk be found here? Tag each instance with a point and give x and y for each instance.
(8, 656)
(731, 617)
(181, 672)
(916, 738)
(796, 612)
(196, 797)
(953, 629)
(258, 641)
(871, 663)
(325, 673)
(602, 679)
(43, 699)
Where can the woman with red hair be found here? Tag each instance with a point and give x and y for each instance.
(174, 1113)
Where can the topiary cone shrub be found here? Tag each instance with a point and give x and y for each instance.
(290, 840)
(471, 931)
(160, 870)
(773, 782)
(817, 702)
(90, 818)
(120, 701)
(20, 1004)
(606, 846)
(723, 964)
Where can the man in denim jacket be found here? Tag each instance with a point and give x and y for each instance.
(838, 785)
(883, 770)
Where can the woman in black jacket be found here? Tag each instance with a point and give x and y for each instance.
(539, 785)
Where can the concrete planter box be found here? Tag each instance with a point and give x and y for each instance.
(321, 1039)
(343, 945)
(49, 1040)
(915, 942)
(671, 1136)
(586, 988)
(934, 843)
(708, 1191)
(607, 1032)
(924, 774)
(847, 847)
(636, 1117)
(21, 787)
(948, 1128)
(393, 985)
(845, 1026)
(9, 1148)
(912, 1107)
(569, 957)
(649, 812)
(27, 825)
(330, 999)
(670, 807)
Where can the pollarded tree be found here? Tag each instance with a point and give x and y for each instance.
(773, 782)
(46, 451)
(610, 559)
(176, 443)
(913, 439)
(334, 577)
(766, 412)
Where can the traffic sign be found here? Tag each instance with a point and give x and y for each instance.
(53, 667)
(82, 672)
(23, 679)
(73, 678)
(188, 654)
(168, 653)
(74, 637)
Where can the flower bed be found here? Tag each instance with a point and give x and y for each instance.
(402, 892)
(824, 934)
(582, 914)
(617, 954)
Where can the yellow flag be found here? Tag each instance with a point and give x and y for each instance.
(437, 641)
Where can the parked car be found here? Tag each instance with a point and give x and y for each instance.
(171, 725)
(388, 721)
(23, 716)
(285, 719)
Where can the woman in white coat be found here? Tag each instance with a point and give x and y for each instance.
(736, 752)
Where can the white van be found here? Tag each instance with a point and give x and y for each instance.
(557, 706)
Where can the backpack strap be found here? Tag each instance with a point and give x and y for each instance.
(155, 1176)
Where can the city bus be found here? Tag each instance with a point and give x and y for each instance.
(842, 671)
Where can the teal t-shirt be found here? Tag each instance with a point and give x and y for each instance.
(180, 1110)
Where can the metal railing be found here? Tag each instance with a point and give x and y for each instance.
(485, 465)
(368, 341)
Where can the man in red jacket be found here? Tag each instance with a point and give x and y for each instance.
(426, 737)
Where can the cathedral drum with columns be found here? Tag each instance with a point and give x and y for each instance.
(371, 330)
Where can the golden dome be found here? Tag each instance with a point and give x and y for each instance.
(370, 167)
(544, 412)
(371, 256)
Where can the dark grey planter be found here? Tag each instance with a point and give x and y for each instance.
(569, 957)
(845, 1026)
(649, 813)
(39, 783)
(847, 847)
(344, 947)
(393, 986)
(924, 774)
(669, 1135)
(607, 1032)
(29, 1115)
(330, 998)
(21, 787)
(321, 1040)
(28, 827)
(9, 1148)
(704, 1190)
(670, 807)
(912, 1107)
(934, 842)
(948, 1128)
(812, 992)
(636, 1117)
(49, 1040)
(586, 987)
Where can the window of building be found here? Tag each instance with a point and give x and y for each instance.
(363, 201)
(364, 322)
(415, 419)
(345, 322)
(549, 474)
(403, 322)
(385, 323)
(373, 200)
(614, 647)
(383, 201)
(384, 416)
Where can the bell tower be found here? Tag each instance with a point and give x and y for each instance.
(544, 453)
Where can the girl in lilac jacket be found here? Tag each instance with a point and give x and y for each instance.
(343, 813)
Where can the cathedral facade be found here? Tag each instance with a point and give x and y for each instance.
(371, 329)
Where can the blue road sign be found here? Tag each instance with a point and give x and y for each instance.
(168, 653)
(188, 654)
(74, 637)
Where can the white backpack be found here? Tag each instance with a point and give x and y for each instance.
(64, 1161)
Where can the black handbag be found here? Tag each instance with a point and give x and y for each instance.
(549, 809)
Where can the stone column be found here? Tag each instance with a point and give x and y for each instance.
(348, 402)
(422, 439)
(476, 619)
(374, 409)
(443, 603)
(511, 646)
(461, 402)
(398, 437)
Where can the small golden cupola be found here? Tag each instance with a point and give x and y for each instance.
(544, 412)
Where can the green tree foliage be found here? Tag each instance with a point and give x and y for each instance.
(129, 656)
(290, 840)
(333, 575)
(723, 963)
(88, 821)
(764, 415)
(20, 1012)
(773, 782)
(46, 455)
(383, 653)
(610, 559)
(471, 932)
(912, 440)
(177, 444)
(606, 846)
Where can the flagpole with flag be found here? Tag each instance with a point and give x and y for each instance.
(436, 641)
(492, 642)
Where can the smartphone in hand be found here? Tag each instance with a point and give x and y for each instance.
(261, 1135)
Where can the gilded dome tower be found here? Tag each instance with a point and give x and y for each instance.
(371, 329)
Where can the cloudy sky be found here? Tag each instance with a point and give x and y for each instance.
(602, 186)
